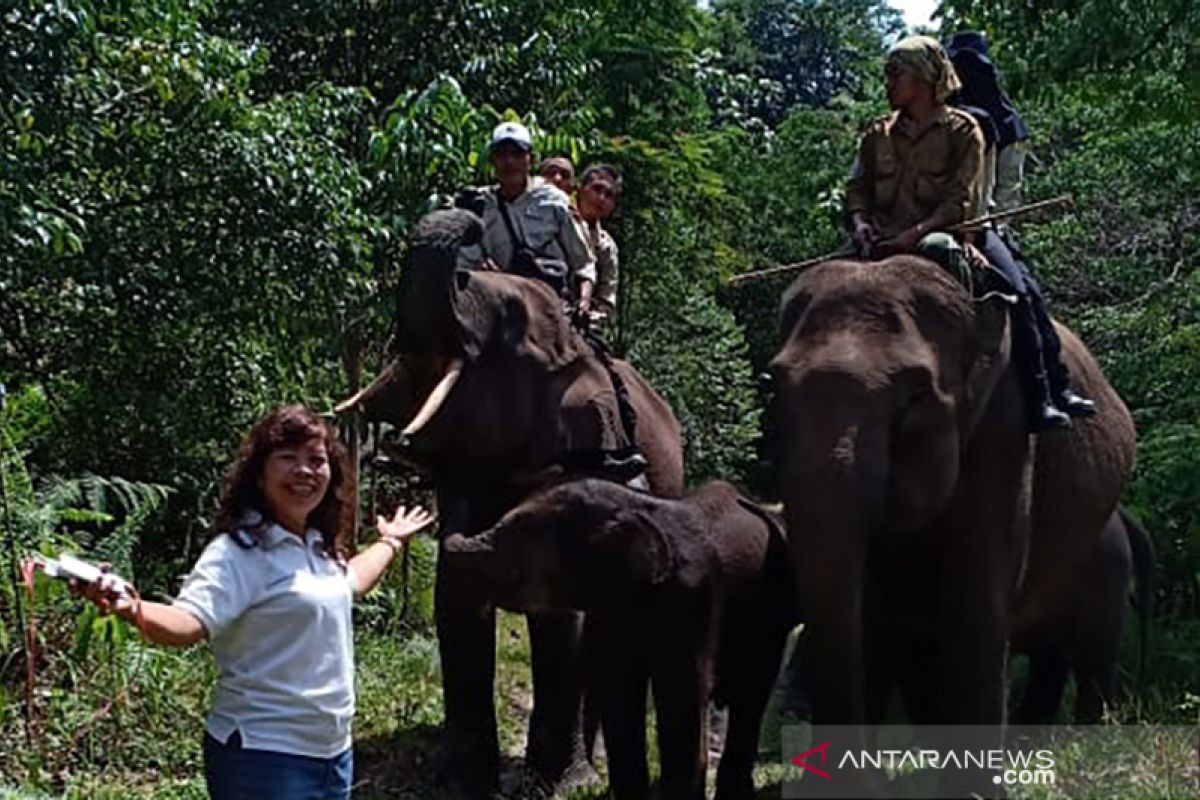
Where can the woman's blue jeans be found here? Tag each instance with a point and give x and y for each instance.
(234, 773)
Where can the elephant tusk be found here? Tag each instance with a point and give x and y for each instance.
(366, 393)
(436, 398)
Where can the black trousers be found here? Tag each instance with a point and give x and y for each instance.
(625, 407)
(1036, 345)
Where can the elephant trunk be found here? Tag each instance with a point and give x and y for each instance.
(835, 483)
(457, 544)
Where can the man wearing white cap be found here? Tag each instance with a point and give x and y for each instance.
(529, 229)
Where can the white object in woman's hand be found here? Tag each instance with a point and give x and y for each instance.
(403, 524)
(109, 593)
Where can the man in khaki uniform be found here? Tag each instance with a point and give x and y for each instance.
(920, 171)
(595, 201)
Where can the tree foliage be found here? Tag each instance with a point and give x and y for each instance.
(776, 55)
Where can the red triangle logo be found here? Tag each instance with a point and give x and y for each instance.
(800, 760)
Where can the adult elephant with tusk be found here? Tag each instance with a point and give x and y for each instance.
(494, 393)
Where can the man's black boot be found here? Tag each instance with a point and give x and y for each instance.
(622, 466)
(1049, 418)
(1075, 405)
(1040, 409)
(1043, 415)
(1070, 402)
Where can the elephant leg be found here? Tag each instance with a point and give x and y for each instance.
(555, 736)
(593, 655)
(466, 628)
(830, 580)
(735, 773)
(920, 696)
(882, 649)
(620, 688)
(1095, 648)
(982, 549)
(680, 686)
(1044, 688)
(1095, 687)
(972, 650)
(747, 701)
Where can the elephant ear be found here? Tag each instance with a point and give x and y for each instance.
(520, 316)
(631, 553)
(425, 322)
(989, 356)
(792, 307)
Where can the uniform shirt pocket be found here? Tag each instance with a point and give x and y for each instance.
(886, 178)
(541, 229)
(933, 173)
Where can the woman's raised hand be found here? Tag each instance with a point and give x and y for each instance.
(404, 524)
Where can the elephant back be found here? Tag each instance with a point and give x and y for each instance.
(1078, 476)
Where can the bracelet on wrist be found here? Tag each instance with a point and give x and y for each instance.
(394, 544)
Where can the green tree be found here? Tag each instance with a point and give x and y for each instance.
(176, 253)
(798, 52)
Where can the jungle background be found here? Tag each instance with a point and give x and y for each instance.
(204, 206)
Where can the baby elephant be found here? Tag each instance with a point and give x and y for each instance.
(690, 597)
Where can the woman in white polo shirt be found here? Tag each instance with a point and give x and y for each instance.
(272, 593)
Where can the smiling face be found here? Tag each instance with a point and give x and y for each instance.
(597, 197)
(559, 172)
(294, 481)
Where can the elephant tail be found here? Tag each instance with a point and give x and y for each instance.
(771, 517)
(779, 563)
(1141, 547)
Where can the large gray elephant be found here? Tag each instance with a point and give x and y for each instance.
(914, 496)
(493, 391)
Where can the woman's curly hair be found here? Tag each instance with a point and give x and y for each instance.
(289, 426)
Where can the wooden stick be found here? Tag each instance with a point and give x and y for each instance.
(1019, 211)
(971, 224)
(842, 252)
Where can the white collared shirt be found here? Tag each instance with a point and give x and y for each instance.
(278, 617)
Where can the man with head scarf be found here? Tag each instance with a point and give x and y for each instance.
(919, 172)
(918, 169)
